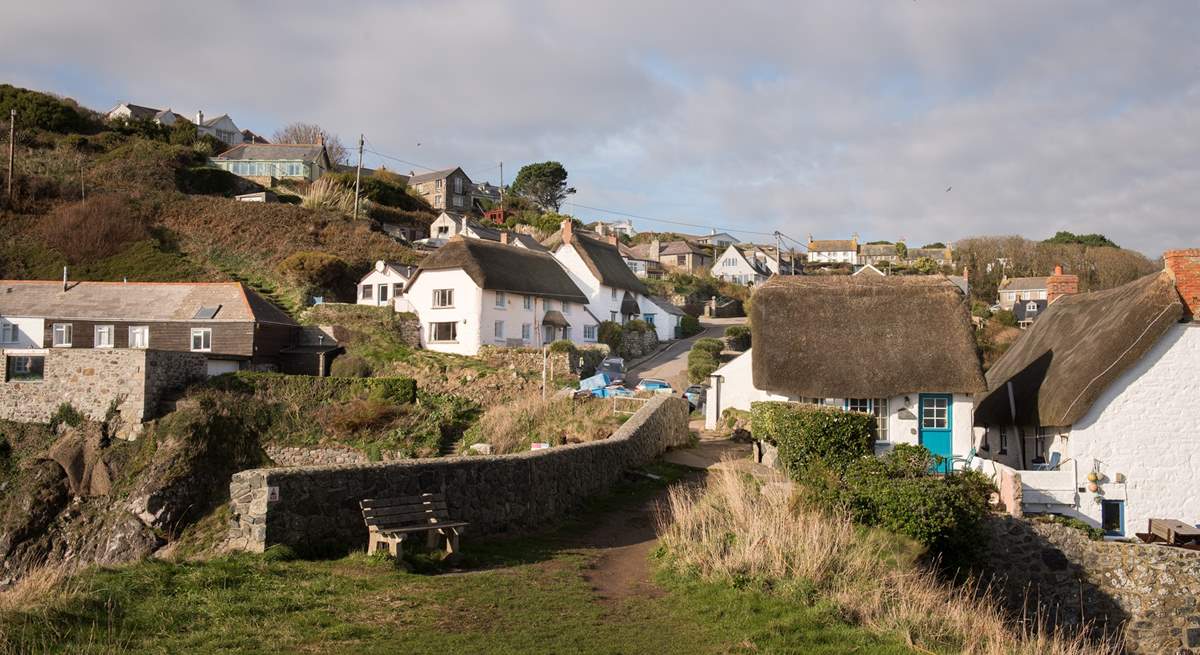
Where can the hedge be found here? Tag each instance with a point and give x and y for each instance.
(701, 363)
(713, 346)
(738, 337)
(689, 326)
(812, 434)
(311, 391)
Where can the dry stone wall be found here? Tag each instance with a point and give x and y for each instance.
(1150, 590)
(316, 508)
(91, 379)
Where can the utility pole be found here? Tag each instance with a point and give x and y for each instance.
(12, 140)
(82, 189)
(779, 252)
(358, 175)
(501, 190)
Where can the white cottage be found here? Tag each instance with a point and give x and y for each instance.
(384, 284)
(851, 342)
(746, 266)
(472, 292)
(595, 265)
(1094, 408)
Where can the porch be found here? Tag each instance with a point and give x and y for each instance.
(1035, 491)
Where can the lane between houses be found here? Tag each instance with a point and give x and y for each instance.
(670, 363)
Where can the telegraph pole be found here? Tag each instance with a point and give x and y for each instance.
(501, 189)
(358, 175)
(12, 139)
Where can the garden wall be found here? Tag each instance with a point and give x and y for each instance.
(1151, 590)
(316, 508)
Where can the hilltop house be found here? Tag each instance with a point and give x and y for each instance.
(639, 262)
(812, 345)
(595, 265)
(445, 189)
(131, 112)
(222, 128)
(1027, 311)
(265, 163)
(451, 224)
(943, 256)
(1021, 288)
(231, 325)
(718, 240)
(472, 292)
(741, 265)
(878, 253)
(619, 228)
(1092, 412)
(384, 283)
(833, 251)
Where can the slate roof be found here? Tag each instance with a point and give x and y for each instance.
(137, 112)
(1022, 313)
(682, 248)
(1061, 365)
(307, 152)
(136, 301)
(878, 249)
(498, 267)
(1024, 284)
(667, 306)
(434, 175)
(863, 337)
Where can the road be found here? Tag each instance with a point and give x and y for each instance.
(671, 364)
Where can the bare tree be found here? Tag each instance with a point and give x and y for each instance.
(312, 133)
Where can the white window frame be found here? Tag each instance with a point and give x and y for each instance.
(142, 329)
(527, 303)
(433, 328)
(205, 334)
(614, 293)
(457, 201)
(498, 330)
(501, 300)
(10, 333)
(589, 332)
(526, 332)
(444, 301)
(381, 294)
(649, 319)
(368, 292)
(67, 332)
(566, 307)
(110, 330)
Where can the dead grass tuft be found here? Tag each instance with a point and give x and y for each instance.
(732, 532)
(93, 229)
(512, 427)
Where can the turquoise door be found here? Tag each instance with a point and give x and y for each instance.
(937, 417)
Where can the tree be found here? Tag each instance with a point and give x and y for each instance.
(935, 244)
(312, 133)
(901, 250)
(1093, 240)
(545, 184)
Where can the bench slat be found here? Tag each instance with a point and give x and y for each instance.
(412, 509)
(423, 528)
(405, 518)
(403, 500)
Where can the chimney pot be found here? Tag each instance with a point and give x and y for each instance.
(1184, 266)
(1060, 284)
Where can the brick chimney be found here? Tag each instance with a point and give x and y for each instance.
(654, 248)
(1184, 266)
(1060, 284)
(612, 238)
(568, 230)
(504, 238)
(967, 278)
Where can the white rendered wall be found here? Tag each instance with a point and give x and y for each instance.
(466, 312)
(31, 332)
(375, 278)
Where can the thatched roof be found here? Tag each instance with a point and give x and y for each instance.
(603, 259)
(863, 337)
(1076, 349)
(498, 267)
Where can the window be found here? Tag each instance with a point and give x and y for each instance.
(458, 201)
(368, 292)
(447, 331)
(614, 293)
(612, 316)
(566, 307)
(1031, 307)
(383, 293)
(437, 200)
(527, 302)
(498, 330)
(1039, 442)
(10, 333)
(877, 407)
(202, 339)
(439, 184)
(24, 368)
(104, 336)
(1003, 440)
(567, 333)
(139, 336)
(443, 230)
(397, 289)
(458, 185)
(526, 331)
(681, 260)
(649, 318)
(501, 301)
(934, 413)
(1112, 517)
(589, 332)
(443, 298)
(61, 335)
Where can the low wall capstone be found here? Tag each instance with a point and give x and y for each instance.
(316, 508)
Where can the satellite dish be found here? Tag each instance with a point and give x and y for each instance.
(379, 265)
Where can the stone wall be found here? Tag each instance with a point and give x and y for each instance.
(1151, 590)
(636, 344)
(316, 508)
(288, 456)
(91, 379)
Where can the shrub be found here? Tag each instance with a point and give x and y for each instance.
(213, 182)
(42, 111)
(94, 229)
(610, 333)
(709, 344)
(65, 415)
(327, 194)
(638, 325)
(806, 434)
(562, 346)
(279, 553)
(314, 269)
(357, 415)
(400, 391)
(981, 309)
(1006, 318)
(701, 363)
(738, 337)
(350, 366)
(689, 326)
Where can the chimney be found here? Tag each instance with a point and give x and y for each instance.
(967, 278)
(1059, 285)
(199, 118)
(1184, 266)
(612, 238)
(64, 278)
(504, 238)
(568, 230)
(654, 248)
(320, 138)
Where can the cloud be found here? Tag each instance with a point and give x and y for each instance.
(827, 118)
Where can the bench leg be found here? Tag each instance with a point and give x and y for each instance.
(431, 539)
(452, 542)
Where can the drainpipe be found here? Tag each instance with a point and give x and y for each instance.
(1012, 410)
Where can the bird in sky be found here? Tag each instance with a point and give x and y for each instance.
(948, 189)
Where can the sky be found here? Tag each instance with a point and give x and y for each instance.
(903, 119)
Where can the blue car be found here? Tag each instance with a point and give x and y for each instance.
(656, 385)
(695, 395)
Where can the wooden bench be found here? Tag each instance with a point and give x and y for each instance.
(390, 520)
(1174, 532)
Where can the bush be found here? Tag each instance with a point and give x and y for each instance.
(65, 415)
(701, 362)
(350, 366)
(42, 111)
(562, 346)
(709, 344)
(279, 553)
(94, 229)
(981, 309)
(1006, 318)
(638, 325)
(738, 337)
(807, 434)
(610, 333)
(400, 391)
(314, 269)
(689, 326)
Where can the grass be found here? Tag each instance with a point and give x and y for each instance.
(514, 426)
(530, 596)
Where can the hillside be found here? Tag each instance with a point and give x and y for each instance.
(113, 204)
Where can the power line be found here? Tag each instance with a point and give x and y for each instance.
(776, 233)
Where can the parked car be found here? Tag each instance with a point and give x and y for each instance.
(695, 395)
(614, 368)
(656, 385)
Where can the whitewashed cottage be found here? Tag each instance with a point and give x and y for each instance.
(1095, 407)
(384, 283)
